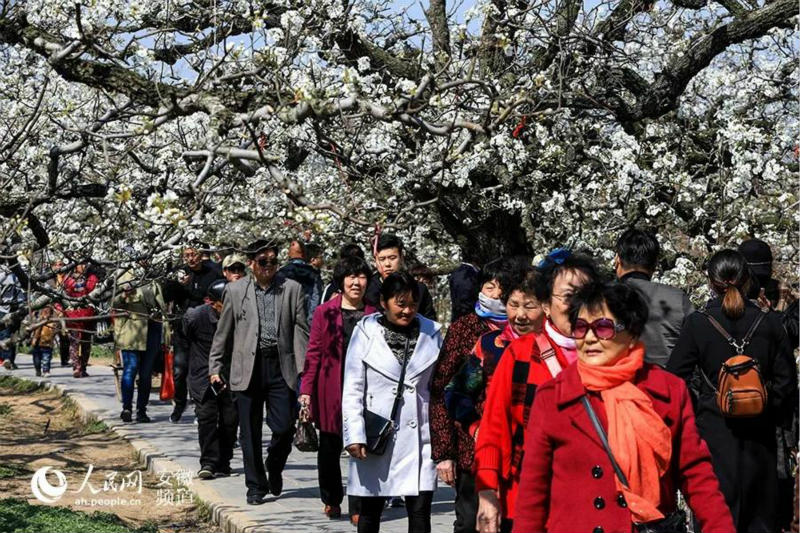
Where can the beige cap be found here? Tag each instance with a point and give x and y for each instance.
(232, 259)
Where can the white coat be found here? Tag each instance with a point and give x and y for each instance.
(371, 377)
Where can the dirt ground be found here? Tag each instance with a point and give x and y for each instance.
(39, 428)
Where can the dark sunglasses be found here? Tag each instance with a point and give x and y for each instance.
(267, 261)
(236, 268)
(604, 328)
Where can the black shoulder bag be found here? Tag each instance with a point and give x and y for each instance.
(674, 522)
(378, 428)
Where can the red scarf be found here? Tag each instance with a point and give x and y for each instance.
(639, 438)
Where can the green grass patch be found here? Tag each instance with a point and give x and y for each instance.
(17, 385)
(94, 426)
(11, 470)
(5, 409)
(18, 516)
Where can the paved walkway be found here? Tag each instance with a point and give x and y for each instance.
(170, 447)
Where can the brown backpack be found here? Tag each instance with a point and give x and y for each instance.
(740, 389)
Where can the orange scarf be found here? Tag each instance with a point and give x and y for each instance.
(639, 439)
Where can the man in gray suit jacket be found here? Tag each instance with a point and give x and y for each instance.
(264, 315)
(636, 260)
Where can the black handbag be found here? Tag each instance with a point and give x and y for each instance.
(378, 428)
(674, 522)
(305, 438)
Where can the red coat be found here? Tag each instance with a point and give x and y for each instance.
(75, 290)
(322, 372)
(567, 481)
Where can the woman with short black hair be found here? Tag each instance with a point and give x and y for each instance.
(743, 450)
(321, 386)
(388, 372)
(611, 439)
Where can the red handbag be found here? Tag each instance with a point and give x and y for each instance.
(167, 391)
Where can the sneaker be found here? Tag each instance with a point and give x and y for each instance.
(126, 415)
(8, 365)
(222, 472)
(205, 473)
(256, 499)
(333, 511)
(38, 373)
(177, 413)
(45, 374)
(84, 374)
(142, 418)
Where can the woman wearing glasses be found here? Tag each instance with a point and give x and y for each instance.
(527, 362)
(612, 439)
(387, 376)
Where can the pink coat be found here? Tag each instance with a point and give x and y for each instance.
(322, 372)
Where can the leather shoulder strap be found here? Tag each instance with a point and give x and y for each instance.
(598, 427)
(399, 393)
(547, 354)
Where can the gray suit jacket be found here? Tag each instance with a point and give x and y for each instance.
(239, 321)
(668, 306)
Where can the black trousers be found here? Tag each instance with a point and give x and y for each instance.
(417, 507)
(63, 348)
(267, 386)
(466, 502)
(329, 469)
(217, 420)
(180, 366)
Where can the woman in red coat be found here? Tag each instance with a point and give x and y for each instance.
(321, 387)
(568, 480)
(77, 285)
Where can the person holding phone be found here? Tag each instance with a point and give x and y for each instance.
(217, 418)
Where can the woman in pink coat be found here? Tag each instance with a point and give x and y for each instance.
(321, 386)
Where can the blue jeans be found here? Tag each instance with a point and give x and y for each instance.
(136, 362)
(11, 352)
(42, 355)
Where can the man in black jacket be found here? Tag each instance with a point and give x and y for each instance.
(388, 256)
(217, 418)
(187, 291)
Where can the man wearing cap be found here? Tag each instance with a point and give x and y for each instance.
(234, 267)
(217, 417)
(263, 316)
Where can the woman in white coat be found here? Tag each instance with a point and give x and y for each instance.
(373, 366)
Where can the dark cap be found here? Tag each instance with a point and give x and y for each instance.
(758, 255)
(216, 289)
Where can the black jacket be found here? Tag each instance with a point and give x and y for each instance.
(743, 450)
(199, 325)
(192, 294)
(372, 296)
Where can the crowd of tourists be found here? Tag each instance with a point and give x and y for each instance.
(564, 396)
